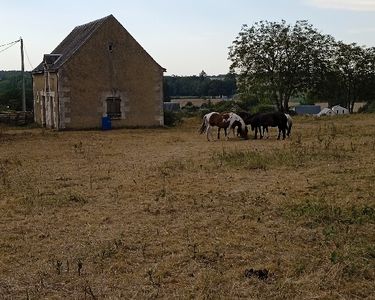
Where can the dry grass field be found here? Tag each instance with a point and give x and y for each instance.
(162, 213)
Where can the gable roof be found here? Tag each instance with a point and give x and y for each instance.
(338, 107)
(326, 111)
(75, 39)
(72, 43)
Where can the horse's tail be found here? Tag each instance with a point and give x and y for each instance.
(289, 124)
(203, 126)
(289, 128)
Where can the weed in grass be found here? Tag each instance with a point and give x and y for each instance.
(330, 231)
(370, 252)
(78, 148)
(3, 175)
(300, 268)
(336, 257)
(362, 214)
(79, 266)
(246, 159)
(76, 198)
(333, 131)
(319, 135)
(154, 280)
(89, 292)
(58, 266)
(298, 139)
(175, 167)
(35, 200)
(321, 212)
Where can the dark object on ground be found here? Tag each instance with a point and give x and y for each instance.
(260, 274)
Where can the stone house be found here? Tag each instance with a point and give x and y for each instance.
(99, 70)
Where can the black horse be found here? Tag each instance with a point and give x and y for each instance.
(265, 120)
(261, 122)
(246, 117)
(289, 125)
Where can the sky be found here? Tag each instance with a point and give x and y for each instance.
(185, 37)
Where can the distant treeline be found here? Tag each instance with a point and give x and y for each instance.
(11, 90)
(199, 86)
(174, 86)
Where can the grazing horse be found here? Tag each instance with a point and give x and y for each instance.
(289, 125)
(224, 120)
(273, 119)
(246, 117)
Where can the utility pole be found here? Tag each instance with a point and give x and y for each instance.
(23, 77)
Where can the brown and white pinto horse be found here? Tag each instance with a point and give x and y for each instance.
(224, 120)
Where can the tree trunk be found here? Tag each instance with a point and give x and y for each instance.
(276, 100)
(286, 104)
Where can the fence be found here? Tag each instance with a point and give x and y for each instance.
(17, 118)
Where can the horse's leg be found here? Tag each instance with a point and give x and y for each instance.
(231, 129)
(208, 132)
(265, 130)
(260, 132)
(289, 129)
(282, 129)
(226, 134)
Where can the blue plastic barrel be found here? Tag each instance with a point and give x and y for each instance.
(106, 123)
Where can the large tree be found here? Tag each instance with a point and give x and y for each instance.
(351, 77)
(354, 66)
(279, 60)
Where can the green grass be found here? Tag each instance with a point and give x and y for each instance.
(320, 211)
(292, 155)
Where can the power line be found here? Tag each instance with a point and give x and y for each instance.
(8, 46)
(9, 43)
(27, 56)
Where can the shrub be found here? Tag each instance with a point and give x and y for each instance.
(224, 106)
(172, 118)
(263, 108)
(368, 108)
(189, 110)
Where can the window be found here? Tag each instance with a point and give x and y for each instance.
(114, 107)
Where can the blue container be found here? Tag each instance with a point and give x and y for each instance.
(106, 123)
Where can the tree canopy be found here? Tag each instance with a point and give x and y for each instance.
(276, 61)
(11, 90)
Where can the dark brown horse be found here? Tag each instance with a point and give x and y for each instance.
(289, 126)
(261, 122)
(272, 119)
(224, 120)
